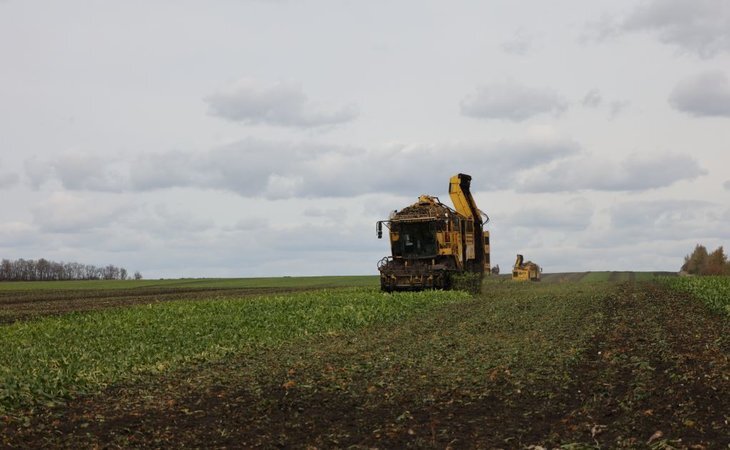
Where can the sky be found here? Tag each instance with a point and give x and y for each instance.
(266, 137)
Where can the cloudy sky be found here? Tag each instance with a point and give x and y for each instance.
(266, 137)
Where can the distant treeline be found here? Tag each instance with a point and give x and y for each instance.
(702, 263)
(44, 270)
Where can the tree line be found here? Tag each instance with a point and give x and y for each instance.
(45, 270)
(700, 262)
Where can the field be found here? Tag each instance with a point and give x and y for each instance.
(714, 291)
(24, 300)
(585, 360)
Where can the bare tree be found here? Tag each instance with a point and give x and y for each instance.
(6, 270)
(45, 270)
(42, 270)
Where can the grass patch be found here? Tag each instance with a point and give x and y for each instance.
(591, 277)
(644, 276)
(51, 359)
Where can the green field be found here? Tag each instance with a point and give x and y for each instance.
(195, 283)
(54, 358)
(29, 300)
(714, 290)
(584, 360)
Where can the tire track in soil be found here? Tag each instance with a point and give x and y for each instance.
(658, 373)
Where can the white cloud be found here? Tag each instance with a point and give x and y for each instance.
(276, 170)
(511, 101)
(632, 174)
(79, 171)
(64, 212)
(602, 28)
(592, 99)
(333, 236)
(8, 180)
(519, 44)
(161, 219)
(661, 213)
(328, 213)
(541, 162)
(16, 233)
(249, 224)
(281, 103)
(668, 220)
(700, 27)
(38, 171)
(697, 26)
(256, 247)
(616, 107)
(705, 94)
(574, 214)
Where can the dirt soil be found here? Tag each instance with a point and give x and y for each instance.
(655, 375)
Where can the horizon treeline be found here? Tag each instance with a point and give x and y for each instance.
(45, 270)
(700, 262)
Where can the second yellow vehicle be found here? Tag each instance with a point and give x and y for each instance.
(524, 271)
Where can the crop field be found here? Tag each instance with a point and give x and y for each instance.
(193, 283)
(715, 291)
(24, 300)
(585, 360)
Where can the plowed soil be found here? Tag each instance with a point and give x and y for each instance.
(637, 367)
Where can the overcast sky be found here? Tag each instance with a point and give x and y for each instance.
(266, 137)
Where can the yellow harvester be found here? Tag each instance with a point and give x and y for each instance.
(430, 241)
(524, 271)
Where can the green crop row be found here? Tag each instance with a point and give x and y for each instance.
(715, 291)
(195, 283)
(51, 359)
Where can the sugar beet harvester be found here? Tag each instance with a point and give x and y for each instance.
(430, 242)
(523, 271)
